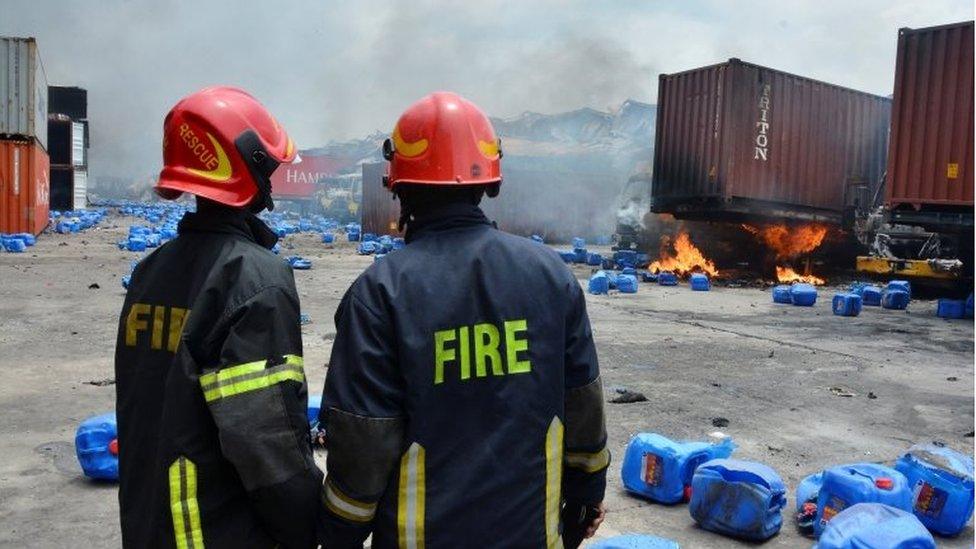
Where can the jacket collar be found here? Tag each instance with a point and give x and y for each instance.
(446, 217)
(228, 221)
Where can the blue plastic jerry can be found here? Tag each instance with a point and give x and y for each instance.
(660, 469)
(846, 304)
(634, 541)
(902, 285)
(599, 283)
(847, 485)
(627, 284)
(941, 480)
(667, 278)
(895, 299)
(594, 260)
(871, 296)
(97, 447)
(951, 308)
(875, 526)
(781, 294)
(699, 282)
(803, 295)
(741, 499)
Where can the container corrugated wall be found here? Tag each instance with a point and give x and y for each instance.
(738, 140)
(380, 213)
(23, 90)
(24, 187)
(931, 161)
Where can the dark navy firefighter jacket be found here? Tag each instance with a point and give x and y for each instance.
(462, 403)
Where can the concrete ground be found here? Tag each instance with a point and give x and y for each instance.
(729, 353)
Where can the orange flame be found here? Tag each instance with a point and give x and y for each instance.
(786, 274)
(787, 242)
(686, 257)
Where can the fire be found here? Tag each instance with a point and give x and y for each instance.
(786, 274)
(787, 242)
(686, 257)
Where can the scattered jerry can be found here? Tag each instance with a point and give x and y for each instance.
(895, 299)
(803, 295)
(627, 283)
(537, 238)
(667, 278)
(168, 233)
(567, 256)
(97, 447)
(875, 525)
(871, 295)
(399, 243)
(594, 260)
(328, 238)
(352, 236)
(846, 304)
(314, 405)
(700, 283)
(299, 263)
(378, 257)
(902, 285)
(29, 239)
(634, 541)
(846, 485)
(607, 263)
(951, 308)
(969, 306)
(941, 480)
(599, 283)
(579, 255)
(781, 294)
(629, 271)
(136, 244)
(625, 258)
(647, 276)
(579, 242)
(741, 499)
(807, 494)
(661, 469)
(612, 278)
(152, 240)
(14, 245)
(126, 280)
(366, 247)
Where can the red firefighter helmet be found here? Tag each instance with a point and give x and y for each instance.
(221, 144)
(443, 139)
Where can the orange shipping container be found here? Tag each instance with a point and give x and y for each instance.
(24, 187)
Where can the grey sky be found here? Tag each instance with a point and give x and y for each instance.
(338, 70)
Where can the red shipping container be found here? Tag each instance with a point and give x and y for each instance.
(298, 181)
(24, 187)
(737, 140)
(930, 165)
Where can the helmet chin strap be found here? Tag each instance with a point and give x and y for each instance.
(260, 165)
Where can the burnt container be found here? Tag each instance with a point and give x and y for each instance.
(738, 141)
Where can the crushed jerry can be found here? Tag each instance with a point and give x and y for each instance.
(579, 242)
(667, 278)
(580, 255)
(951, 308)
(741, 499)
(846, 304)
(661, 469)
(902, 285)
(781, 294)
(97, 447)
(807, 494)
(328, 238)
(895, 299)
(634, 541)
(366, 247)
(599, 283)
(871, 295)
(627, 284)
(699, 282)
(941, 481)
(846, 485)
(594, 260)
(567, 256)
(803, 295)
(647, 276)
(875, 526)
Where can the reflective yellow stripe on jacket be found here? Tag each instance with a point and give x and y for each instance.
(589, 462)
(346, 506)
(251, 376)
(554, 479)
(410, 508)
(183, 504)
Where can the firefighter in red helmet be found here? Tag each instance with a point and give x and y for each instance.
(211, 397)
(463, 403)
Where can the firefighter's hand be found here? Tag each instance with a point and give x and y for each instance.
(597, 521)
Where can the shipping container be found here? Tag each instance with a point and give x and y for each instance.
(380, 212)
(299, 181)
(68, 100)
(24, 187)
(69, 188)
(736, 141)
(930, 165)
(23, 90)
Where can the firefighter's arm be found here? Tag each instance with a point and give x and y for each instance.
(258, 399)
(586, 458)
(363, 416)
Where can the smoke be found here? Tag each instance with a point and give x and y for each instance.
(342, 70)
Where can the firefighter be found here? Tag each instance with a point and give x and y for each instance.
(462, 405)
(214, 446)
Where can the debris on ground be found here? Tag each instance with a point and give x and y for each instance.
(842, 392)
(626, 396)
(720, 422)
(100, 382)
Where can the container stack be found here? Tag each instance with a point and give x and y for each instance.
(24, 164)
(67, 137)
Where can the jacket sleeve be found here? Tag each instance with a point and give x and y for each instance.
(258, 399)
(586, 456)
(362, 411)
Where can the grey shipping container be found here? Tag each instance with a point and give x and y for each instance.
(737, 141)
(23, 90)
